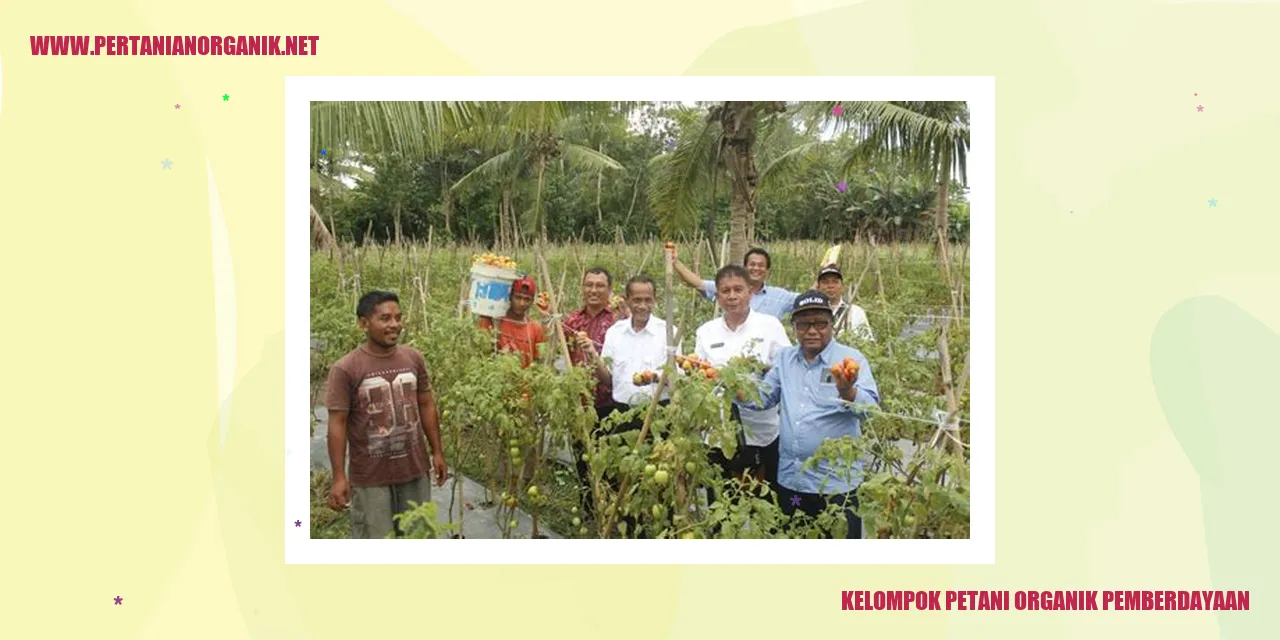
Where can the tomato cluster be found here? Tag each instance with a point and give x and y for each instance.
(846, 369)
(694, 364)
(494, 260)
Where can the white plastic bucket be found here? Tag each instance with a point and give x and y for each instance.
(491, 290)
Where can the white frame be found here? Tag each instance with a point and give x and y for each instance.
(979, 92)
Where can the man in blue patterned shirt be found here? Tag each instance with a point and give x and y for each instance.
(817, 404)
(774, 301)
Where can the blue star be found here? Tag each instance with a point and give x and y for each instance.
(167, 163)
(1213, 202)
(671, 143)
(323, 152)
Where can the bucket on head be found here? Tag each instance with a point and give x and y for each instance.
(491, 290)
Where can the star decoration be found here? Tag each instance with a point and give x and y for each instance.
(119, 600)
(167, 163)
(842, 186)
(1199, 107)
(795, 501)
(1213, 202)
(671, 143)
(837, 109)
(225, 97)
(323, 152)
(177, 106)
(297, 523)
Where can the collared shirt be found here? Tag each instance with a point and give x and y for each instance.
(774, 301)
(630, 352)
(854, 318)
(760, 336)
(812, 412)
(594, 327)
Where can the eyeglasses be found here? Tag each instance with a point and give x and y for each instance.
(820, 325)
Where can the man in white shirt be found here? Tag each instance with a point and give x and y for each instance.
(634, 345)
(848, 316)
(743, 332)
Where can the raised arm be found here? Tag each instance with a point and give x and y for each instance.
(686, 274)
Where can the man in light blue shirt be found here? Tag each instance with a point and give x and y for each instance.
(817, 404)
(774, 301)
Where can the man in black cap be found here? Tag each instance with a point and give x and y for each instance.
(847, 316)
(818, 384)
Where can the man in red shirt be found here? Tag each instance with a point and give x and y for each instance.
(516, 332)
(584, 328)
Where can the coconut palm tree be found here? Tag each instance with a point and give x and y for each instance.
(720, 141)
(928, 136)
(527, 138)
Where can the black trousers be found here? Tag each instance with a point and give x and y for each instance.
(748, 458)
(813, 504)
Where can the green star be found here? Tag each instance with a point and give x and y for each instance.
(225, 97)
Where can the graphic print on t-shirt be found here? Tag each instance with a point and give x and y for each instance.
(393, 414)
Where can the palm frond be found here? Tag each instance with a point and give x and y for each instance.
(501, 167)
(588, 159)
(788, 164)
(682, 175)
(411, 129)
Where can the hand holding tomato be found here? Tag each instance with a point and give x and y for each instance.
(845, 373)
(583, 342)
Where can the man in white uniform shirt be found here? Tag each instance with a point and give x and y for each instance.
(743, 332)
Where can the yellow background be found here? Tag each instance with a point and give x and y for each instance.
(1135, 426)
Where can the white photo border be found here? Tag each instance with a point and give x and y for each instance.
(978, 91)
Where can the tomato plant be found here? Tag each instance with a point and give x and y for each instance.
(500, 421)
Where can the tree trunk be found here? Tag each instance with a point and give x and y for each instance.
(538, 218)
(599, 181)
(509, 216)
(714, 209)
(397, 230)
(501, 240)
(447, 199)
(941, 228)
(738, 127)
(320, 235)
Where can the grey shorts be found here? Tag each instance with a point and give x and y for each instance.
(372, 508)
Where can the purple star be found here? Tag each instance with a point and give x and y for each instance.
(795, 501)
(119, 600)
(297, 523)
(671, 143)
(842, 186)
(837, 109)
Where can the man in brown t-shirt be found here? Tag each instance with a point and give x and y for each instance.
(380, 402)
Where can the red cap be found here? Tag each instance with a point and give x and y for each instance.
(524, 286)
